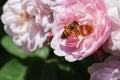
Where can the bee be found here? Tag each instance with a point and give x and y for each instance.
(69, 29)
(77, 29)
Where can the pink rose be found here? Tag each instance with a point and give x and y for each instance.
(28, 21)
(113, 11)
(107, 70)
(92, 28)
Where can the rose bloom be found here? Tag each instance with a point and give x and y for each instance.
(113, 11)
(92, 30)
(28, 22)
(107, 70)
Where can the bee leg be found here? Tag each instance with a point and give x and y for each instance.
(77, 33)
(76, 36)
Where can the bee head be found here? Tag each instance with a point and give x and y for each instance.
(75, 23)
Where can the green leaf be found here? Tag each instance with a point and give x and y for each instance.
(8, 44)
(13, 70)
(43, 52)
(64, 67)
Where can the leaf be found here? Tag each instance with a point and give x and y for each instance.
(43, 52)
(8, 44)
(64, 67)
(13, 70)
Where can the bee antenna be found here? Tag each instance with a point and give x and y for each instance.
(75, 22)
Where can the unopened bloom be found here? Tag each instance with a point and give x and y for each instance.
(28, 21)
(107, 70)
(91, 28)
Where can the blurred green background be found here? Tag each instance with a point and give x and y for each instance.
(15, 64)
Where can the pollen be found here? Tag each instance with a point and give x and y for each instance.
(86, 30)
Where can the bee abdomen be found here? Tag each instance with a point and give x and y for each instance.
(65, 34)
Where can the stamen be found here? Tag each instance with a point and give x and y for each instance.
(24, 15)
(86, 30)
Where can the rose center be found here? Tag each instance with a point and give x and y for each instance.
(86, 30)
(24, 15)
